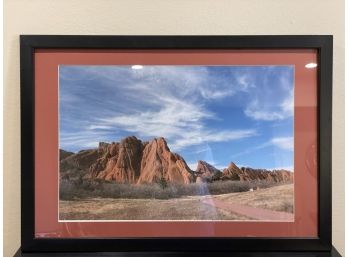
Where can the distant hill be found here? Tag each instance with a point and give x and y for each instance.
(64, 154)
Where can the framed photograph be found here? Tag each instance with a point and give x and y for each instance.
(176, 143)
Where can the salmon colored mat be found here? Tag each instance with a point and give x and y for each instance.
(46, 145)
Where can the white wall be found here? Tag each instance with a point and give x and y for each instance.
(159, 17)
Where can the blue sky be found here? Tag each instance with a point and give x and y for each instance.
(218, 114)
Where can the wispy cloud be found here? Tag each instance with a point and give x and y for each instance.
(101, 127)
(81, 140)
(200, 150)
(206, 136)
(285, 143)
(193, 107)
(246, 82)
(182, 124)
(289, 168)
(272, 102)
(164, 101)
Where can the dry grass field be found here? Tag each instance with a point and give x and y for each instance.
(277, 198)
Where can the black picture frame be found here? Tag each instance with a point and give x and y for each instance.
(175, 246)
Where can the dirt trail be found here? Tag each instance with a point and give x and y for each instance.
(251, 212)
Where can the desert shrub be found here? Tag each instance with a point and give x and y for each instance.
(66, 189)
(79, 188)
(286, 206)
(163, 183)
(87, 188)
(224, 187)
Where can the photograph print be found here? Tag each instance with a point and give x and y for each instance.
(176, 142)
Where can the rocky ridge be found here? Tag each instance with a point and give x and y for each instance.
(136, 162)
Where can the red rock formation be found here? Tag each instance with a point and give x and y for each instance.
(75, 166)
(120, 162)
(159, 162)
(206, 172)
(271, 176)
(81, 160)
(232, 172)
(249, 174)
(133, 161)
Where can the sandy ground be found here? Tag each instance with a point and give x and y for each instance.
(217, 207)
